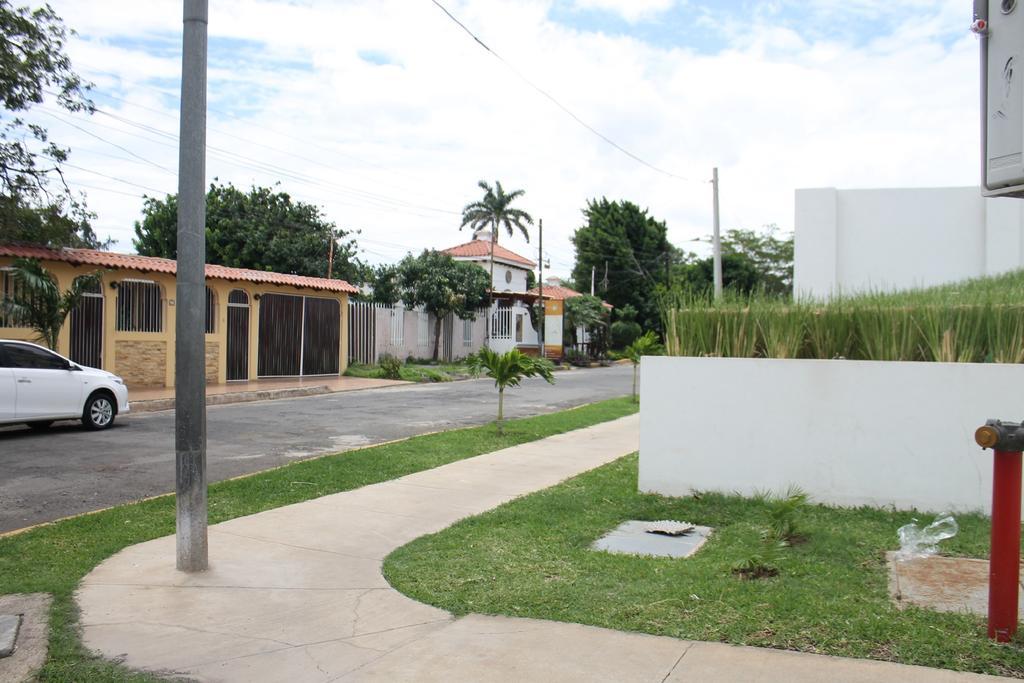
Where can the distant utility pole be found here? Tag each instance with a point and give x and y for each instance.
(540, 281)
(189, 342)
(716, 238)
(593, 272)
(330, 258)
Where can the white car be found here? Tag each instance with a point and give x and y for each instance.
(38, 386)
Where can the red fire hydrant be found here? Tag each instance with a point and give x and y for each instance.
(1007, 440)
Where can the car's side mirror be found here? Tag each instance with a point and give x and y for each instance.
(73, 368)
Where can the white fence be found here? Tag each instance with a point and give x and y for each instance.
(375, 330)
(849, 241)
(847, 432)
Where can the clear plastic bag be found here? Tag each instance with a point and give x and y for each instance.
(918, 542)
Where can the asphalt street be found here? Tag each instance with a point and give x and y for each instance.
(68, 470)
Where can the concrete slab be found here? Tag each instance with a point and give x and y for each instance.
(9, 625)
(632, 538)
(945, 584)
(32, 635)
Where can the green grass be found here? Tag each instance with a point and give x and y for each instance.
(975, 321)
(414, 372)
(54, 558)
(530, 558)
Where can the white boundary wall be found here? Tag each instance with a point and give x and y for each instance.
(849, 241)
(847, 432)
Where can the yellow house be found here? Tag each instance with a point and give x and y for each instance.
(258, 324)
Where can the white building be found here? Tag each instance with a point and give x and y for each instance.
(850, 241)
(510, 323)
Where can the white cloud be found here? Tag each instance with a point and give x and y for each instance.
(381, 148)
(630, 10)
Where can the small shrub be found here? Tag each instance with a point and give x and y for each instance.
(783, 515)
(624, 333)
(762, 562)
(390, 367)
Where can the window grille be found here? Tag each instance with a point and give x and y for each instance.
(211, 311)
(467, 332)
(7, 285)
(397, 326)
(139, 306)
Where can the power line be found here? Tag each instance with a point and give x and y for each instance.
(112, 144)
(114, 178)
(558, 104)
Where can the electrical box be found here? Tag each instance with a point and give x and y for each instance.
(1000, 27)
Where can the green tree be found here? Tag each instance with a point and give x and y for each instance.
(494, 211)
(625, 329)
(633, 247)
(37, 303)
(36, 204)
(770, 255)
(508, 370)
(261, 229)
(583, 311)
(442, 286)
(645, 345)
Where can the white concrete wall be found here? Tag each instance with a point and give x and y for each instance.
(849, 241)
(847, 432)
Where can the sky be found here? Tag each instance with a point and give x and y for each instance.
(385, 113)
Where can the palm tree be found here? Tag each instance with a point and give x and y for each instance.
(508, 370)
(38, 303)
(493, 211)
(645, 345)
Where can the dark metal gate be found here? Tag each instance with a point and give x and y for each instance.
(238, 336)
(298, 336)
(87, 329)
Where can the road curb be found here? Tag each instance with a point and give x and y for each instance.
(234, 397)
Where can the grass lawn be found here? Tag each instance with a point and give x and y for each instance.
(414, 372)
(530, 558)
(54, 558)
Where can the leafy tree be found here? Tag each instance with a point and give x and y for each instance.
(508, 370)
(625, 329)
(494, 212)
(34, 208)
(261, 229)
(645, 345)
(435, 281)
(634, 248)
(583, 311)
(751, 262)
(37, 303)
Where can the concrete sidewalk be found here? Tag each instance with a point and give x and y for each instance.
(150, 399)
(296, 594)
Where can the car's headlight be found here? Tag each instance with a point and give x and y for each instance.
(118, 380)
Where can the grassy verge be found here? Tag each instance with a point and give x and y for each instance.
(530, 558)
(414, 372)
(54, 558)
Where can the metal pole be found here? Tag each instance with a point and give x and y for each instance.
(190, 352)
(1004, 558)
(716, 238)
(593, 271)
(540, 282)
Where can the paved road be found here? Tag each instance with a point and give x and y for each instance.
(67, 470)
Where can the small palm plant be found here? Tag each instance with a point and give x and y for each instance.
(508, 370)
(645, 345)
(38, 303)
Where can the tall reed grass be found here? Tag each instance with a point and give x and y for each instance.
(975, 321)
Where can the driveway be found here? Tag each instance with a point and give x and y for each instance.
(68, 470)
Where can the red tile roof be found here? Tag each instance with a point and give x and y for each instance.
(560, 293)
(109, 259)
(482, 249)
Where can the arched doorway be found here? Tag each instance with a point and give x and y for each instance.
(238, 336)
(87, 327)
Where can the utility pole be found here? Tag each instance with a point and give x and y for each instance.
(189, 342)
(716, 238)
(330, 258)
(540, 281)
(593, 272)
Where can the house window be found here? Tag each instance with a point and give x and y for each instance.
(7, 284)
(397, 326)
(211, 311)
(139, 306)
(467, 332)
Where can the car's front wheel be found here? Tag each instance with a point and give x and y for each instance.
(99, 412)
